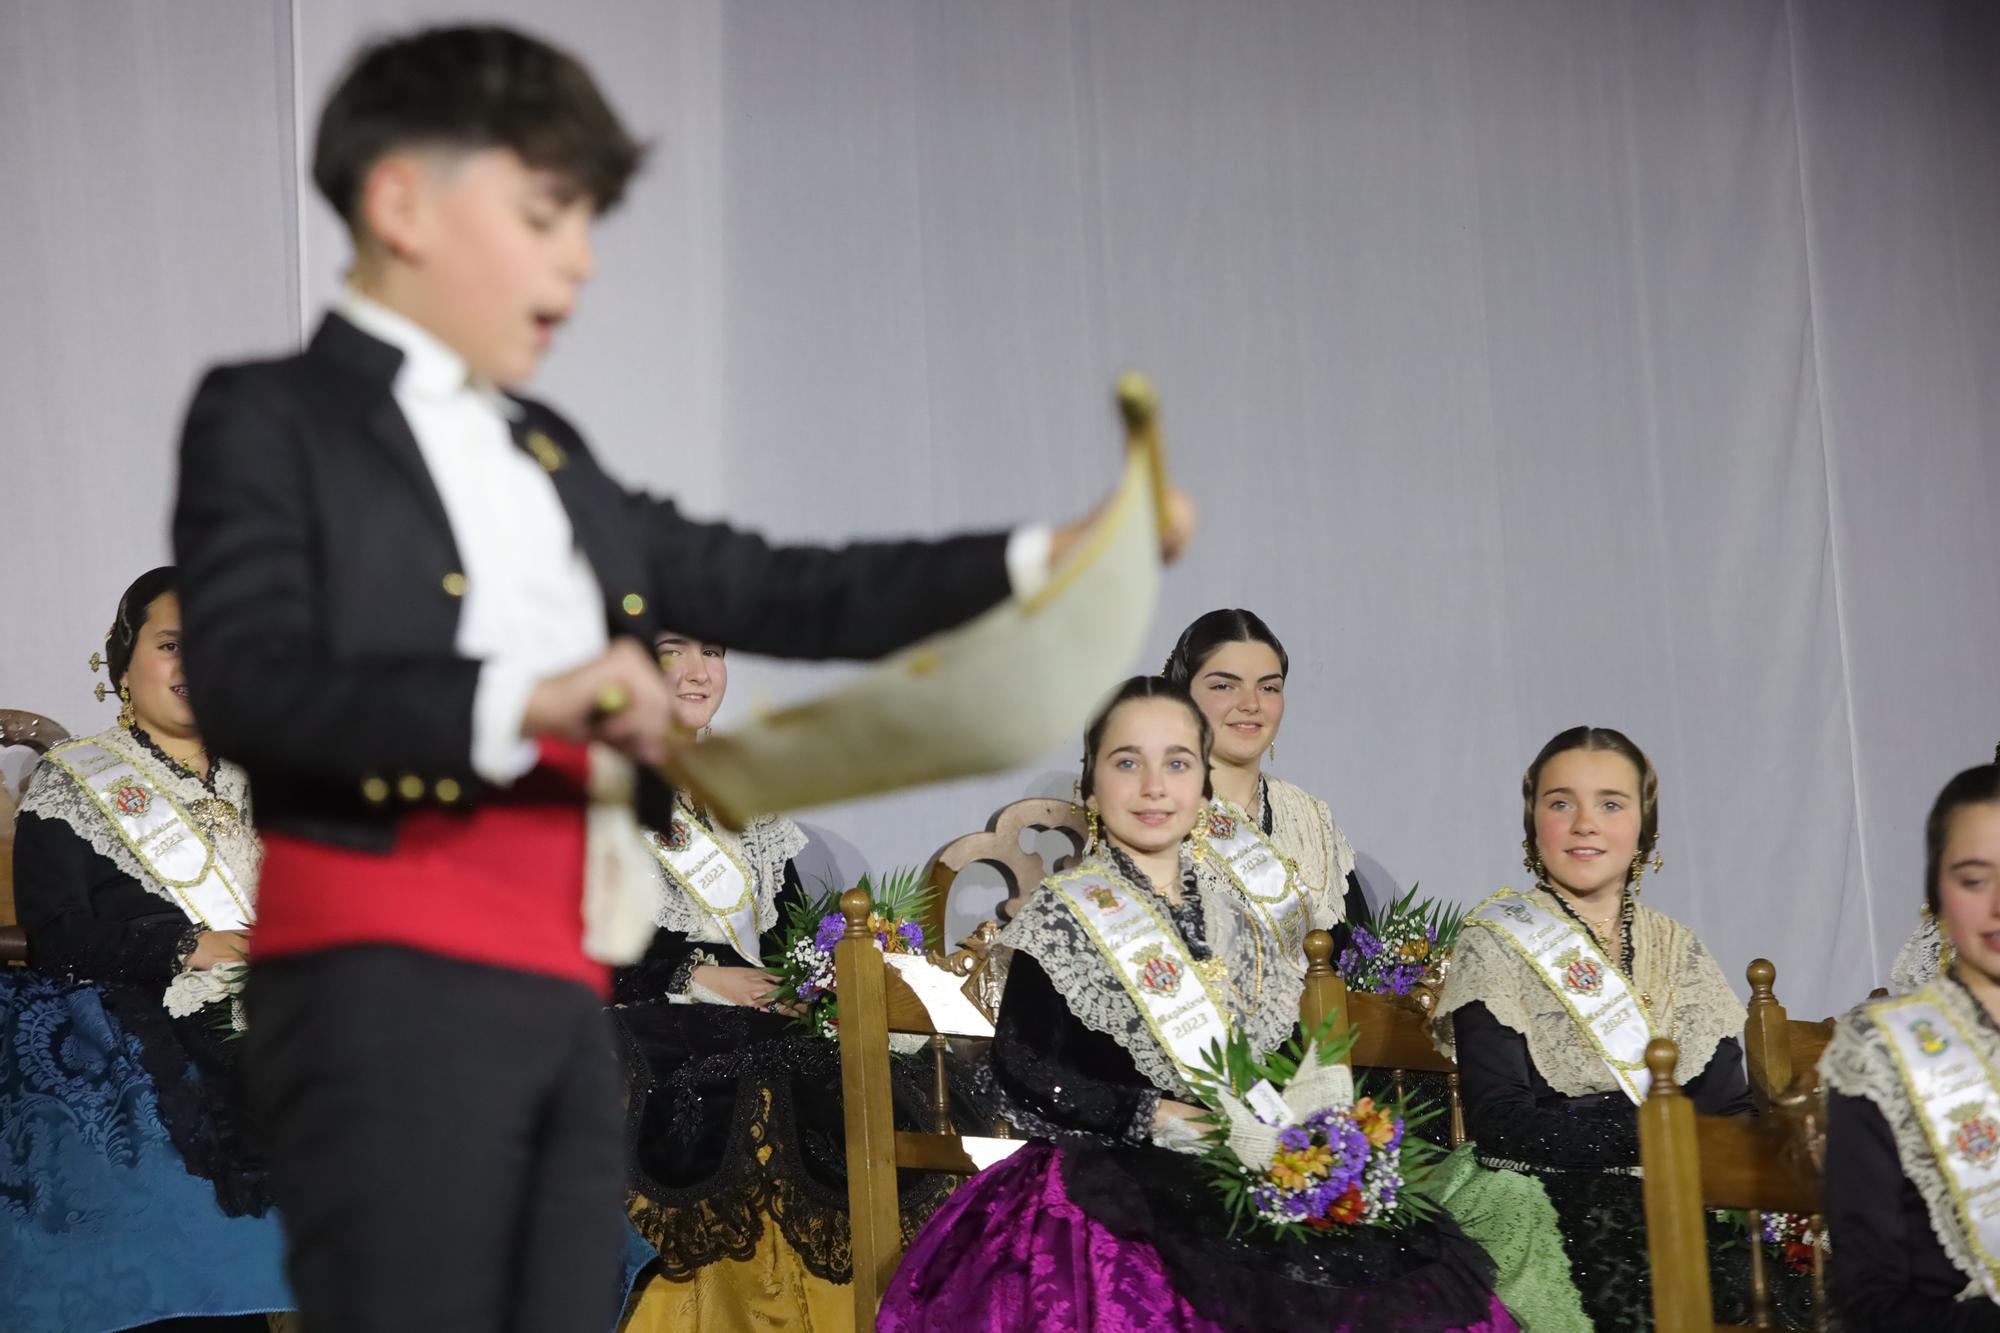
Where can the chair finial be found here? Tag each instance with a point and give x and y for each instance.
(855, 905)
(1661, 1056)
(1761, 975)
(1319, 951)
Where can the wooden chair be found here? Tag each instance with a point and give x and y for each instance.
(38, 734)
(1762, 1163)
(1391, 1032)
(1778, 1049)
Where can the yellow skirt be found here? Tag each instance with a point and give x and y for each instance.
(772, 1289)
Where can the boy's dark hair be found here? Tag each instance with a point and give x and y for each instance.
(471, 88)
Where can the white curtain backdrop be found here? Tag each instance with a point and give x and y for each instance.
(1533, 364)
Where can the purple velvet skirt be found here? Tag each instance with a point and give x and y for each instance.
(1012, 1249)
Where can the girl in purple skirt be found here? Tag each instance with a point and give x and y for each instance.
(1122, 973)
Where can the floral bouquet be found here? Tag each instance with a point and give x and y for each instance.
(218, 990)
(805, 967)
(1403, 947)
(1293, 1148)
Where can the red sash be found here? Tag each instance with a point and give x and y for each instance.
(499, 884)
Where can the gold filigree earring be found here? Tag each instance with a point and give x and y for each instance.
(1532, 861)
(1640, 866)
(127, 715)
(1091, 829)
(1200, 835)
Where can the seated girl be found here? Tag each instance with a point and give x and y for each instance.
(1913, 1105)
(735, 1134)
(1553, 994)
(130, 1192)
(1236, 671)
(1102, 1222)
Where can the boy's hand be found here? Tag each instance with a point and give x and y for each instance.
(1174, 537)
(620, 699)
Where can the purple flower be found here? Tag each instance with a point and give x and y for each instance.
(831, 927)
(1350, 1155)
(1294, 1139)
(808, 992)
(913, 935)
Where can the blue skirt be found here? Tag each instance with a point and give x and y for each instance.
(101, 1225)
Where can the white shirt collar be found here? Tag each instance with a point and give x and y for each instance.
(430, 369)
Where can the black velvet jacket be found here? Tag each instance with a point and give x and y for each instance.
(320, 588)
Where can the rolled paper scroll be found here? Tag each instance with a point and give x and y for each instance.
(959, 703)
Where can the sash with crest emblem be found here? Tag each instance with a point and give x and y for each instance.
(159, 833)
(1595, 994)
(712, 875)
(1956, 1095)
(1264, 878)
(1173, 994)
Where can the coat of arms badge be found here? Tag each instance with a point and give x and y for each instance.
(1581, 972)
(1157, 973)
(1978, 1138)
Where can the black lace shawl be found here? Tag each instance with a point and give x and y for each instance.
(88, 920)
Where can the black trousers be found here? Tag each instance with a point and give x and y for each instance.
(445, 1142)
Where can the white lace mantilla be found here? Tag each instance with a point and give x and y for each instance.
(1684, 992)
(1262, 999)
(1303, 831)
(1920, 960)
(764, 847)
(1858, 1063)
(54, 794)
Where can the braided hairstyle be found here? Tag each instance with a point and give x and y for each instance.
(123, 636)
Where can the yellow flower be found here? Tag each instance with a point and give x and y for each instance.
(1296, 1170)
(1373, 1122)
(1414, 950)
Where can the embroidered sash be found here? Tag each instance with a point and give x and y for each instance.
(1957, 1099)
(1599, 1000)
(157, 831)
(1264, 877)
(713, 876)
(1174, 998)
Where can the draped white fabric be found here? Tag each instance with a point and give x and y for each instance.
(1534, 363)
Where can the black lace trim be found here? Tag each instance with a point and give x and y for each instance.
(682, 977)
(197, 1079)
(1627, 909)
(1186, 914)
(173, 765)
(771, 1168)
